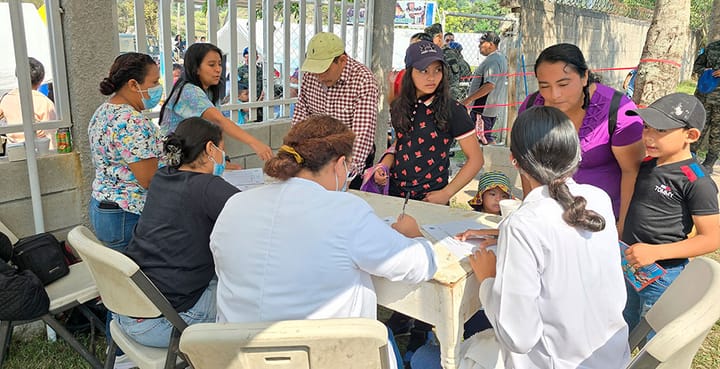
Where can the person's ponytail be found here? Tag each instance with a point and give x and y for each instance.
(575, 213)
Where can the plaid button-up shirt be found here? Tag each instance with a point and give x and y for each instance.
(353, 100)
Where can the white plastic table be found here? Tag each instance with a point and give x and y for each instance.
(451, 297)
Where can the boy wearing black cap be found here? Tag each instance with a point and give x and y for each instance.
(673, 193)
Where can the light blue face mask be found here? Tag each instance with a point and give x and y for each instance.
(155, 94)
(218, 169)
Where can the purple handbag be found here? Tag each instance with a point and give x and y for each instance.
(368, 183)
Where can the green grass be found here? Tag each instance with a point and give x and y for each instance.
(39, 353)
(687, 86)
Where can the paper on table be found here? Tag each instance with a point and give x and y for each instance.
(445, 234)
(245, 179)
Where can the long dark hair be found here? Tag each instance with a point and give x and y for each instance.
(573, 58)
(193, 59)
(188, 141)
(124, 68)
(546, 146)
(402, 108)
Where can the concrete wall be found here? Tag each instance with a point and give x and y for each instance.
(61, 194)
(607, 41)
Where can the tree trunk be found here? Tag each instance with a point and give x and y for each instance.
(667, 39)
(714, 32)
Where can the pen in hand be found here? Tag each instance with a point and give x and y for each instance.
(407, 197)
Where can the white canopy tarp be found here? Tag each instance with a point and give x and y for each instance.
(36, 39)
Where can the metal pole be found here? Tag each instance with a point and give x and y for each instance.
(140, 33)
(212, 21)
(26, 104)
(268, 43)
(369, 24)
(190, 21)
(232, 57)
(252, 58)
(167, 44)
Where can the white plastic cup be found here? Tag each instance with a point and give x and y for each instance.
(42, 146)
(507, 206)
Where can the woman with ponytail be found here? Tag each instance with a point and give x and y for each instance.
(555, 293)
(171, 240)
(124, 147)
(611, 153)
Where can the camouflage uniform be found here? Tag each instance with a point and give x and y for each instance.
(452, 58)
(457, 67)
(709, 59)
(244, 78)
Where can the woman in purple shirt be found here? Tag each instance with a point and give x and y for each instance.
(611, 163)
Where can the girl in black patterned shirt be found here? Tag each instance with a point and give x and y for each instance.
(427, 120)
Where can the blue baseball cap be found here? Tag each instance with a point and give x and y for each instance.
(455, 45)
(707, 82)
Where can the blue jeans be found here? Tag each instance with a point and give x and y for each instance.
(156, 332)
(639, 302)
(113, 227)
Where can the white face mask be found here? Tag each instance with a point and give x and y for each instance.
(348, 178)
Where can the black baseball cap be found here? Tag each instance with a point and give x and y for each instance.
(420, 54)
(677, 110)
(490, 37)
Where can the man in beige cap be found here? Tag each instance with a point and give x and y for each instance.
(342, 87)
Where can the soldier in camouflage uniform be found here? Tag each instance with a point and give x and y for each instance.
(710, 59)
(244, 81)
(244, 75)
(452, 58)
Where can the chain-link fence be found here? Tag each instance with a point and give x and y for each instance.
(615, 7)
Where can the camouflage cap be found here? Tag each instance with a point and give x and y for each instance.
(434, 29)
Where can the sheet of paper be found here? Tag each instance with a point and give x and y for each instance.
(445, 234)
(245, 179)
(440, 231)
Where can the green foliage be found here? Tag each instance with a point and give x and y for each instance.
(700, 11)
(465, 24)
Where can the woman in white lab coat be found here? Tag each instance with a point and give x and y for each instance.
(554, 291)
(302, 248)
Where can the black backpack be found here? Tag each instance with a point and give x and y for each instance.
(22, 295)
(41, 254)
(612, 116)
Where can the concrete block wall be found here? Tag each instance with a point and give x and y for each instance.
(607, 41)
(271, 133)
(61, 195)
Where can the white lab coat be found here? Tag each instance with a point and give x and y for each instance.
(559, 293)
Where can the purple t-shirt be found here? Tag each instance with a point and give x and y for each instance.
(599, 166)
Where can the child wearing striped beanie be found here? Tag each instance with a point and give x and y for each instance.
(492, 187)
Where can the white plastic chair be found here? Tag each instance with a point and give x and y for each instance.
(353, 343)
(126, 290)
(681, 318)
(72, 290)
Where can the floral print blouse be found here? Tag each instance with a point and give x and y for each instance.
(120, 135)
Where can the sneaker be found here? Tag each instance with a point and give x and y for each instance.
(124, 362)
